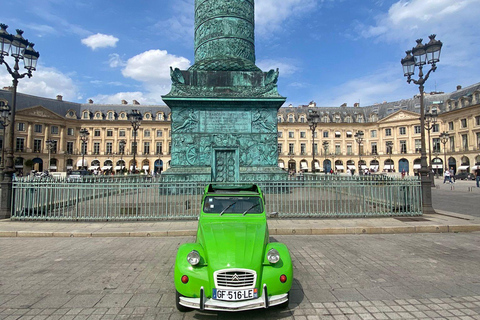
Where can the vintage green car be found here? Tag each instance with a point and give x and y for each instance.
(232, 266)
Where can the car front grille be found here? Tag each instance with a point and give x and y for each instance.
(235, 278)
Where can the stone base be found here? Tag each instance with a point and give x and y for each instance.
(204, 174)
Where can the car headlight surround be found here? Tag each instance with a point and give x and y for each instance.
(193, 257)
(273, 256)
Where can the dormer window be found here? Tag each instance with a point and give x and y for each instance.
(160, 116)
(86, 115)
(110, 115)
(290, 118)
(98, 115)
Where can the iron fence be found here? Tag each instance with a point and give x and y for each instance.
(143, 198)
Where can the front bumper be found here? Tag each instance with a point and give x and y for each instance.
(218, 305)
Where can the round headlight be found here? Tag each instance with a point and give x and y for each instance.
(273, 256)
(193, 257)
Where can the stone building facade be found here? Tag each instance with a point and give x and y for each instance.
(391, 135)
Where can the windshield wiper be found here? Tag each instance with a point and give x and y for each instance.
(231, 204)
(254, 206)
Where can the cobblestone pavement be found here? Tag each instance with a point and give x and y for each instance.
(405, 276)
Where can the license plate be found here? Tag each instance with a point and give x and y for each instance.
(235, 295)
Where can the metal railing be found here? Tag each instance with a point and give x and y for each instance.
(145, 198)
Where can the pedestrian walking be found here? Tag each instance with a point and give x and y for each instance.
(477, 176)
(446, 176)
(452, 175)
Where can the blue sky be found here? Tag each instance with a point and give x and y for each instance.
(328, 51)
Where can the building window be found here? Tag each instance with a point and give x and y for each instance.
(452, 144)
(134, 147)
(20, 145)
(389, 147)
(373, 133)
(21, 126)
(290, 118)
(450, 125)
(374, 148)
(291, 148)
(38, 128)
(121, 133)
(302, 119)
(159, 133)
(110, 115)
(302, 134)
(146, 133)
(160, 116)
(291, 134)
(54, 130)
(325, 134)
(279, 119)
(464, 142)
(109, 133)
(279, 134)
(170, 148)
(37, 145)
(53, 149)
(337, 134)
(85, 115)
(349, 134)
(436, 127)
(96, 133)
(478, 140)
(315, 148)
(463, 123)
(70, 132)
(349, 149)
(477, 120)
(436, 145)
(96, 148)
(337, 149)
(418, 129)
(279, 148)
(109, 148)
(69, 147)
(388, 132)
(84, 147)
(146, 148)
(159, 148)
(402, 131)
(403, 146)
(302, 148)
(418, 145)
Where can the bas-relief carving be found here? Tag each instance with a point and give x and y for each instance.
(215, 8)
(269, 91)
(225, 27)
(226, 47)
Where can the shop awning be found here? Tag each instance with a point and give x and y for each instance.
(417, 166)
(363, 166)
(475, 167)
(19, 166)
(463, 167)
(388, 167)
(374, 167)
(338, 167)
(79, 163)
(281, 165)
(69, 167)
(351, 167)
(145, 167)
(93, 167)
(303, 166)
(437, 166)
(119, 167)
(106, 167)
(317, 166)
(53, 167)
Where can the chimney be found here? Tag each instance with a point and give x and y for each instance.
(90, 101)
(136, 102)
(344, 105)
(59, 97)
(459, 87)
(356, 105)
(124, 102)
(8, 88)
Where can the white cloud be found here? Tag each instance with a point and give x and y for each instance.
(286, 67)
(115, 61)
(271, 14)
(100, 41)
(118, 97)
(45, 82)
(153, 67)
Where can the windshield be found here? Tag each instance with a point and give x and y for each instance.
(233, 204)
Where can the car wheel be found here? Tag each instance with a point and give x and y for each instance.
(285, 304)
(178, 305)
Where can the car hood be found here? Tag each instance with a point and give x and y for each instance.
(233, 244)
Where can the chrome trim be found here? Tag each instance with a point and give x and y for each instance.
(242, 277)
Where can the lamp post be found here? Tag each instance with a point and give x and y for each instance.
(444, 136)
(4, 121)
(122, 144)
(389, 145)
(430, 121)
(19, 49)
(419, 56)
(49, 144)
(325, 149)
(313, 118)
(359, 138)
(135, 119)
(84, 137)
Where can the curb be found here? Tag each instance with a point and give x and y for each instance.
(274, 231)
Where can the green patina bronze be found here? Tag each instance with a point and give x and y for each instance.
(224, 108)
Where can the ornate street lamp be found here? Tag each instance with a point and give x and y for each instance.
(419, 56)
(430, 121)
(19, 49)
(359, 138)
(122, 144)
(50, 144)
(444, 136)
(325, 150)
(4, 121)
(135, 119)
(313, 118)
(84, 137)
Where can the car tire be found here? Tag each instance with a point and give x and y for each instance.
(284, 305)
(178, 305)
